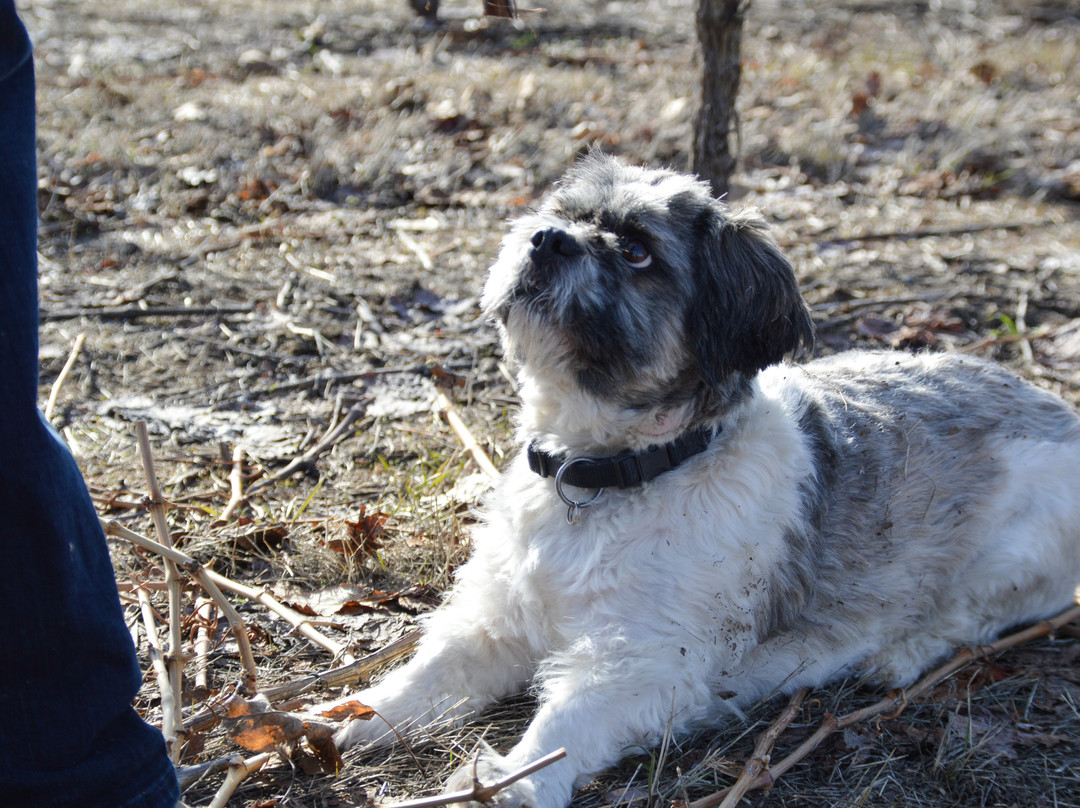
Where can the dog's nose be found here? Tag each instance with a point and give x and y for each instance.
(550, 241)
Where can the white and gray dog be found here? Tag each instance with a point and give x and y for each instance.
(691, 524)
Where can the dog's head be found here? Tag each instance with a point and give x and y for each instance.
(638, 292)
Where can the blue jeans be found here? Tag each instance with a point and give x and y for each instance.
(68, 733)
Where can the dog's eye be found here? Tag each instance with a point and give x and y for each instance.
(636, 254)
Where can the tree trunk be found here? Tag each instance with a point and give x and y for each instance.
(719, 31)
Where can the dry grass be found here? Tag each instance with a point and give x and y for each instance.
(344, 176)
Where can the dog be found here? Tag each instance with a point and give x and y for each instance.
(694, 522)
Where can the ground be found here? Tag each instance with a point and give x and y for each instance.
(269, 215)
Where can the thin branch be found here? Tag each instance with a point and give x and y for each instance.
(928, 232)
(239, 768)
(175, 656)
(759, 761)
(846, 306)
(446, 407)
(481, 793)
(199, 573)
(1022, 328)
(169, 706)
(298, 621)
(334, 434)
(215, 582)
(205, 620)
(236, 483)
(359, 671)
(54, 392)
(414, 247)
(137, 312)
(1005, 339)
(898, 699)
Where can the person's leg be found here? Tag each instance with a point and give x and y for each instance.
(68, 733)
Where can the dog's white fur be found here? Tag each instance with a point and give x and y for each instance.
(865, 512)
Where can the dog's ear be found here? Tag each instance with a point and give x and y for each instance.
(748, 312)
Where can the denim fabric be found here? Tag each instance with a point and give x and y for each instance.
(68, 734)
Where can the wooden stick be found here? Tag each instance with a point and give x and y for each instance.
(199, 573)
(169, 705)
(446, 407)
(1022, 328)
(239, 768)
(929, 232)
(758, 763)
(298, 621)
(481, 793)
(1005, 339)
(421, 254)
(236, 482)
(204, 613)
(333, 434)
(359, 671)
(898, 699)
(175, 655)
(54, 392)
(845, 306)
(136, 312)
(216, 582)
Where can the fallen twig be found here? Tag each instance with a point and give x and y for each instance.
(170, 707)
(479, 792)
(846, 306)
(201, 574)
(333, 435)
(358, 671)
(446, 407)
(236, 483)
(187, 776)
(897, 700)
(928, 232)
(1022, 328)
(175, 656)
(414, 247)
(136, 312)
(758, 764)
(1005, 339)
(239, 768)
(64, 371)
(205, 621)
(298, 621)
(215, 582)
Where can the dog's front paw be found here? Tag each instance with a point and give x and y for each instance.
(485, 768)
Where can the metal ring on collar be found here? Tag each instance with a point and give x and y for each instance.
(573, 503)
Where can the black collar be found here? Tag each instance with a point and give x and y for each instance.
(623, 470)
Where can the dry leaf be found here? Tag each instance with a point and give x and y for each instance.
(360, 536)
(350, 709)
(266, 732)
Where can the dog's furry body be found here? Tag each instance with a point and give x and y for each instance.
(862, 512)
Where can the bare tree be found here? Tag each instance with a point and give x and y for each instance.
(719, 30)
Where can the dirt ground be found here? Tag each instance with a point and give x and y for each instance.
(267, 216)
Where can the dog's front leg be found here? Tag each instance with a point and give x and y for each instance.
(596, 706)
(475, 649)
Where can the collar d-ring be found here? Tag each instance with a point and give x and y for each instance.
(575, 505)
